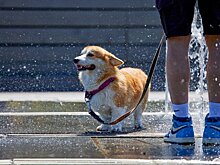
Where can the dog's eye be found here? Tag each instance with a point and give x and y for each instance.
(90, 55)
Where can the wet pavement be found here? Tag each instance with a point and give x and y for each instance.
(69, 137)
(106, 146)
(85, 143)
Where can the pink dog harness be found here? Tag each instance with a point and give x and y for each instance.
(90, 94)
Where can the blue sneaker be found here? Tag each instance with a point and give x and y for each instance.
(181, 132)
(211, 134)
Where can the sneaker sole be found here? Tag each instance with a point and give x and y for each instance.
(190, 140)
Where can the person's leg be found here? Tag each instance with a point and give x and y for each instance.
(211, 134)
(213, 74)
(178, 73)
(176, 18)
(209, 10)
(178, 77)
(213, 68)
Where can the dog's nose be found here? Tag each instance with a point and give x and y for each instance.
(76, 61)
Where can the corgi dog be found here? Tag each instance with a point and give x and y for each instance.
(120, 91)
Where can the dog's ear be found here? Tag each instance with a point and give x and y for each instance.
(115, 61)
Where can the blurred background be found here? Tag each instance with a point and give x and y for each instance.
(40, 38)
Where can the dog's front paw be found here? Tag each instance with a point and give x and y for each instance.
(103, 128)
(116, 128)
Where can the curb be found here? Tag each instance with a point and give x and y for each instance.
(78, 96)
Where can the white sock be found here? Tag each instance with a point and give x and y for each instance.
(214, 109)
(181, 110)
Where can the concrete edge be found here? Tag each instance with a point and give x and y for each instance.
(146, 135)
(79, 96)
(67, 113)
(107, 161)
(122, 135)
(80, 113)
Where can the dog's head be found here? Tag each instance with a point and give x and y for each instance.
(94, 58)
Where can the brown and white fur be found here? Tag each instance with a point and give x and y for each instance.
(96, 65)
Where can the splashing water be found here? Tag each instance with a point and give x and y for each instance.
(198, 54)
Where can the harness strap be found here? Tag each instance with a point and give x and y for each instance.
(90, 94)
(153, 64)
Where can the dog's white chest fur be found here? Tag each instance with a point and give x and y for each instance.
(102, 101)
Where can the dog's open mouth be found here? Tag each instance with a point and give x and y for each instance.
(85, 67)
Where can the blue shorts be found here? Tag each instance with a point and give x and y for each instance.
(177, 16)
